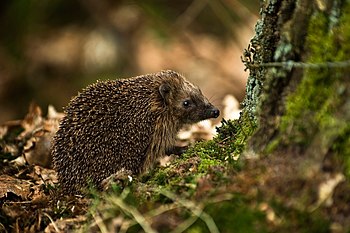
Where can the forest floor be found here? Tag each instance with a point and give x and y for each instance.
(197, 192)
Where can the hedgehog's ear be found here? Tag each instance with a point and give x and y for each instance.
(164, 91)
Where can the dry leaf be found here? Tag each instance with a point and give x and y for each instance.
(15, 186)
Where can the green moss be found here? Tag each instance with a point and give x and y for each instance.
(205, 150)
(233, 135)
(302, 106)
(215, 158)
(318, 106)
(234, 215)
(206, 164)
(272, 145)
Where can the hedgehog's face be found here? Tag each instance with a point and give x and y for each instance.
(188, 104)
(194, 107)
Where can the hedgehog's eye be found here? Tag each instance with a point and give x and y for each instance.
(186, 103)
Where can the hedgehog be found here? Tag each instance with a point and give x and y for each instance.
(124, 124)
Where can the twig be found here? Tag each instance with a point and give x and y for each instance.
(191, 12)
(293, 64)
(19, 202)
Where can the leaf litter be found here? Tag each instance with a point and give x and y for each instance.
(27, 196)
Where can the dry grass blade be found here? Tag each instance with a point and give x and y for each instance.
(134, 213)
(99, 223)
(53, 222)
(160, 210)
(149, 215)
(194, 209)
(185, 225)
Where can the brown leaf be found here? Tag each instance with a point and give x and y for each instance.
(15, 186)
(38, 134)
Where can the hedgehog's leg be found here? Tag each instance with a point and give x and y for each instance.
(120, 178)
(176, 150)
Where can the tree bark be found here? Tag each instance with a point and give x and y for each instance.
(298, 92)
(299, 83)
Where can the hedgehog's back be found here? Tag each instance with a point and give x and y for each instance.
(107, 127)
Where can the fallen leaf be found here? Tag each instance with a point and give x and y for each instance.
(20, 188)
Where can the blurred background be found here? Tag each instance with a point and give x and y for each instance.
(49, 50)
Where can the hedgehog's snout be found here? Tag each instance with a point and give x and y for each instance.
(213, 112)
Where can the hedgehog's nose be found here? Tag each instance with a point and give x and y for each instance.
(215, 113)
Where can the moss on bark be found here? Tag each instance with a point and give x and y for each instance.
(317, 114)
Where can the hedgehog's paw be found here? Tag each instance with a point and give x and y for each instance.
(119, 179)
(176, 150)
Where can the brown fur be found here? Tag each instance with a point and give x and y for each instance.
(124, 124)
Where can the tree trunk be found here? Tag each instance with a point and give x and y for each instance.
(299, 93)
(299, 84)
